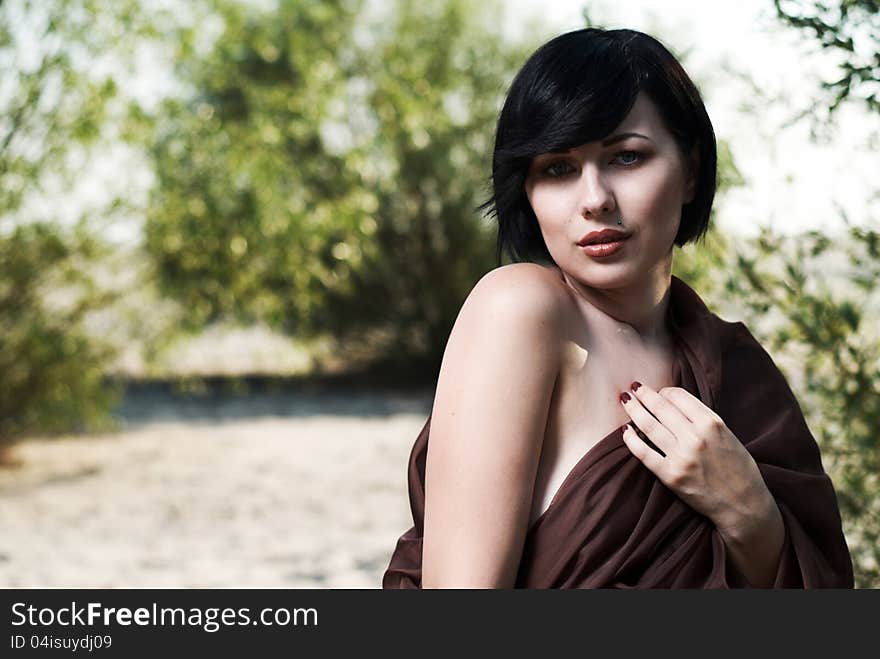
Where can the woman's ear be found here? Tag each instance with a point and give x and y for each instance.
(692, 164)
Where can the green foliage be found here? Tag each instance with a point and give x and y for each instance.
(248, 197)
(53, 107)
(438, 79)
(51, 375)
(323, 173)
(828, 333)
(850, 28)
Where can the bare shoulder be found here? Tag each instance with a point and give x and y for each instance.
(523, 291)
(487, 427)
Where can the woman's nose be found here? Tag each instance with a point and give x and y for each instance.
(596, 197)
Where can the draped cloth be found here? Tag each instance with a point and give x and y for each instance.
(613, 524)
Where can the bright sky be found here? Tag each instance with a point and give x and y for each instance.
(792, 184)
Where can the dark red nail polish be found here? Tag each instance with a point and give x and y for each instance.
(624, 397)
(635, 385)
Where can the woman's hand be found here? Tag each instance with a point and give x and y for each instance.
(704, 464)
(710, 470)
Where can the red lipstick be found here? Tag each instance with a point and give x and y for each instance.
(602, 243)
(603, 236)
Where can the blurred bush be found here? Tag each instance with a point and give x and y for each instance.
(323, 170)
(51, 368)
(54, 104)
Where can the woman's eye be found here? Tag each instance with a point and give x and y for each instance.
(628, 157)
(557, 169)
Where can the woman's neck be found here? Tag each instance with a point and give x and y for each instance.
(640, 309)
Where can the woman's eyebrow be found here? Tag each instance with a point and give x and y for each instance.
(622, 136)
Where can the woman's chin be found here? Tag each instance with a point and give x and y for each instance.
(620, 275)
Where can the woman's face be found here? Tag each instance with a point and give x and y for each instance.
(638, 174)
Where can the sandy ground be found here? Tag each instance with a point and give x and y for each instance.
(262, 491)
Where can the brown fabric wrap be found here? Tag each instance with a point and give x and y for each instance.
(613, 524)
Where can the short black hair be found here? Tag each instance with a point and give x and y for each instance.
(575, 89)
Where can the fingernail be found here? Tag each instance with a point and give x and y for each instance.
(635, 385)
(624, 397)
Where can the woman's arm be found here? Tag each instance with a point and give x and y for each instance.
(487, 427)
(755, 543)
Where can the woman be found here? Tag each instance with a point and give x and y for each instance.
(594, 424)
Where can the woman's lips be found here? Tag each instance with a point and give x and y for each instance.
(603, 236)
(603, 249)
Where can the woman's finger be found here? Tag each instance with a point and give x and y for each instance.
(645, 454)
(690, 405)
(665, 409)
(654, 430)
